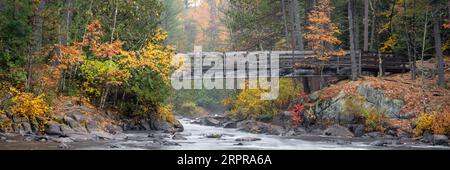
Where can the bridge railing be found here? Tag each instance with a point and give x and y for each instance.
(366, 61)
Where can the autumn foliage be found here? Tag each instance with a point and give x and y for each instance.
(95, 69)
(322, 31)
(296, 114)
(435, 122)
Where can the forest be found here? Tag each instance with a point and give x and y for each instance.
(102, 68)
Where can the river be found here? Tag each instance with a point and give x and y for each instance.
(196, 140)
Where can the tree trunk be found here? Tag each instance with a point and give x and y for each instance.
(36, 45)
(366, 25)
(298, 25)
(114, 21)
(448, 8)
(67, 21)
(286, 33)
(352, 41)
(293, 34)
(356, 25)
(438, 47)
(374, 26)
(213, 24)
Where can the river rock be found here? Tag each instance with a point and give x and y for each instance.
(282, 119)
(62, 140)
(214, 135)
(340, 142)
(79, 117)
(178, 126)
(208, 121)
(91, 126)
(113, 129)
(391, 107)
(385, 142)
(259, 127)
(160, 125)
(65, 130)
(230, 125)
(337, 130)
(178, 137)
(373, 135)
(145, 125)
(247, 139)
(63, 146)
(165, 142)
(53, 128)
(359, 130)
(316, 132)
(72, 123)
(300, 131)
(439, 140)
(26, 128)
(42, 138)
(3, 136)
(77, 137)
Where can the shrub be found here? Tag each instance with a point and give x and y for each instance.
(296, 115)
(373, 120)
(165, 113)
(435, 122)
(191, 109)
(29, 106)
(248, 104)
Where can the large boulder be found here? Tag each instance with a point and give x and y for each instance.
(359, 130)
(439, 140)
(392, 107)
(53, 128)
(72, 123)
(259, 127)
(26, 128)
(337, 130)
(209, 121)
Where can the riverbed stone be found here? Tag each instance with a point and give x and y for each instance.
(230, 125)
(178, 137)
(53, 128)
(27, 128)
(247, 139)
(359, 130)
(439, 140)
(260, 127)
(209, 121)
(160, 125)
(91, 126)
(337, 130)
(214, 135)
(374, 135)
(300, 131)
(385, 143)
(72, 123)
(63, 146)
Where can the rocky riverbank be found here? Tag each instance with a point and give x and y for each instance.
(383, 109)
(72, 122)
(343, 133)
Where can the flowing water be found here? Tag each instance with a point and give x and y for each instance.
(197, 140)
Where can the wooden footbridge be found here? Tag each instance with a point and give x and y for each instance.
(305, 67)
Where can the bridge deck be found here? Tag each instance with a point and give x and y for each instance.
(289, 61)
